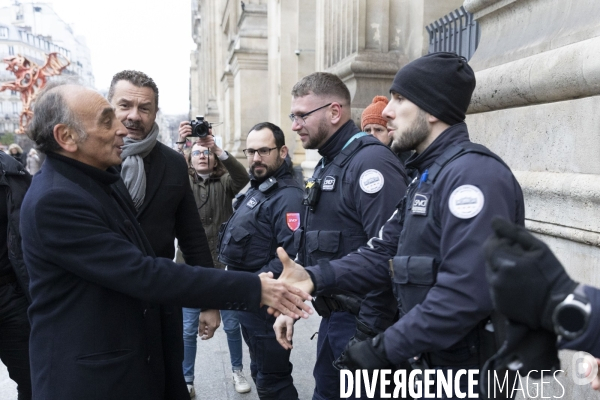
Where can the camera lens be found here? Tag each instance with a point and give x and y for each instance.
(200, 128)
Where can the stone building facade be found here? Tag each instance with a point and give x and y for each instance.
(250, 54)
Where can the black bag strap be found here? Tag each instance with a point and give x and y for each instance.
(344, 157)
(456, 151)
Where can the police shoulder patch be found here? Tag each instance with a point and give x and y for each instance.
(293, 221)
(328, 183)
(371, 181)
(466, 201)
(252, 203)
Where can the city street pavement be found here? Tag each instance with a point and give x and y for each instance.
(213, 368)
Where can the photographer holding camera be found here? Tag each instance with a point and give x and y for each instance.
(198, 128)
(215, 178)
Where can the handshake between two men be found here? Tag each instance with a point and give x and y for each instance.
(295, 275)
(357, 353)
(284, 296)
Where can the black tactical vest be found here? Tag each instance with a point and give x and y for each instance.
(415, 266)
(331, 228)
(244, 242)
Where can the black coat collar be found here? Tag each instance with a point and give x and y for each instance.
(338, 140)
(76, 170)
(284, 171)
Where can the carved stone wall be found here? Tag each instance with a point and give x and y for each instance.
(229, 72)
(536, 105)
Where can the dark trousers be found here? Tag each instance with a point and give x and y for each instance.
(14, 337)
(334, 334)
(270, 365)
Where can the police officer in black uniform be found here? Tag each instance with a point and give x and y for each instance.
(265, 218)
(434, 239)
(353, 190)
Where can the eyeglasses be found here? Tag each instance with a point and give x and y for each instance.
(265, 151)
(196, 153)
(300, 118)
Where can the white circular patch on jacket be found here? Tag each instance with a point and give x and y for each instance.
(466, 201)
(371, 181)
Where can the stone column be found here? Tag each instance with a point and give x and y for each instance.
(283, 68)
(194, 84)
(226, 130)
(365, 42)
(204, 83)
(195, 81)
(248, 64)
(536, 105)
(291, 57)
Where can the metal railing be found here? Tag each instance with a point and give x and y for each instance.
(457, 32)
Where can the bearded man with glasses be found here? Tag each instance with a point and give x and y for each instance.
(265, 218)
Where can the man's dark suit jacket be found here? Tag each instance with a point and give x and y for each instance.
(93, 335)
(169, 210)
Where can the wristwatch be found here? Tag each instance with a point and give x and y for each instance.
(572, 315)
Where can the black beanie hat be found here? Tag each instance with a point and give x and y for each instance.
(438, 83)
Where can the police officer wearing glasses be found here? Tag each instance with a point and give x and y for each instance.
(265, 218)
(353, 191)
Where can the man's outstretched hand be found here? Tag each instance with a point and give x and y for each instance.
(293, 274)
(283, 298)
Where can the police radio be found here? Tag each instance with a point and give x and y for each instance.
(312, 193)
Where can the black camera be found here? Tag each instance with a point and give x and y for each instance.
(200, 127)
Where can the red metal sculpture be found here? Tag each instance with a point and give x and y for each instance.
(30, 79)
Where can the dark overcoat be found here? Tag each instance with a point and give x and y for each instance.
(96, 328)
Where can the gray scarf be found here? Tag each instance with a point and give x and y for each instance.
(132, 170)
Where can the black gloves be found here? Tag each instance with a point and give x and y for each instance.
(526, 280)
(368, 354)
(363, 332)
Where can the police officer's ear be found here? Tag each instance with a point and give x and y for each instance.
(431, 119)
(336, 112)
(66, 137)
(436, 125)
(283, 152)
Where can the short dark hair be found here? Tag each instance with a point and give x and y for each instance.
(136, 78)
(322, 84)
(50, 109)
(277, 132)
